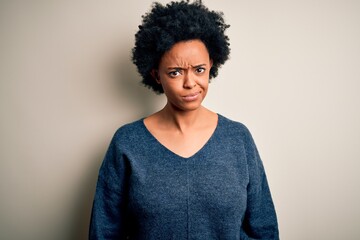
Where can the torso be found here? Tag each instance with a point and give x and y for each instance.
(203, 196)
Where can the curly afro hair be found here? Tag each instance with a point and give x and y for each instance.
(165, 26)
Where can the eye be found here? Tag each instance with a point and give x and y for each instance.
(200, 70)
(174, 73)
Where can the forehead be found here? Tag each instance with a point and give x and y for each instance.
(192, 52)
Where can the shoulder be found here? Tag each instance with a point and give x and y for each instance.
(233, 127)
(240, 137)
(234, 132)
(129, 128)
(129, 133)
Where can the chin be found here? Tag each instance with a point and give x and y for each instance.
(191, 106)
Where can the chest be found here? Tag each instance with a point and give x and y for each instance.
(199, 186)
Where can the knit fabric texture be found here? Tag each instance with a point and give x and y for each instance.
(145, 191)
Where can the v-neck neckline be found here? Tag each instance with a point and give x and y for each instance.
(175, 154)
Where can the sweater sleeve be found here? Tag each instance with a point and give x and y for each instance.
(260, 221)
(108, 212)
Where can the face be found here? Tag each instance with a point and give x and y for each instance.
(184, 74)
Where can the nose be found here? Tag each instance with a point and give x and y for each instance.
(189, 80)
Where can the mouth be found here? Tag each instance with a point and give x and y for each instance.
(191, 97)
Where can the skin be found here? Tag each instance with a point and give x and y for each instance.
(183, 125)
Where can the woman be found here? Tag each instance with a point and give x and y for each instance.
(184, 172)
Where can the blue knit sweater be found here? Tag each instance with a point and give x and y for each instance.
(145, 191)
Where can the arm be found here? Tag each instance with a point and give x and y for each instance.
(107, 218)
(260, 221)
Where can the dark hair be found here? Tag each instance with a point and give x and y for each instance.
(164, 26)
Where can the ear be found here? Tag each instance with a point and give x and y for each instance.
(155, 74)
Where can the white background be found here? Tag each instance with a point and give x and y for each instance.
(67, 83)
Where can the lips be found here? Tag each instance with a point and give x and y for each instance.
(191, 97)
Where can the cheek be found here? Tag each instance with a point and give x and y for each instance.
(204, 82)
(171, 87)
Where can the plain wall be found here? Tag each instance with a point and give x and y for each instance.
(67, 83)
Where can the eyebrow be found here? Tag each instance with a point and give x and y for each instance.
(196, 66)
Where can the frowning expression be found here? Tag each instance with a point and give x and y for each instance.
(184, 74)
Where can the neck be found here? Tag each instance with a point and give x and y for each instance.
(182, 120)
